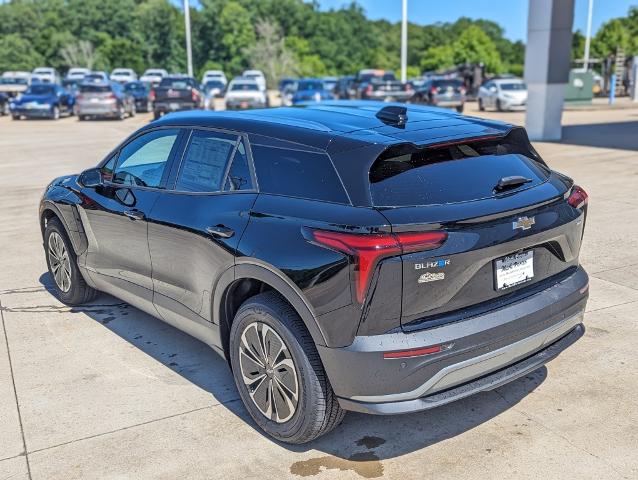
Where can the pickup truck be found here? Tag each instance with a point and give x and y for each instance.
(382, 85)
(175, 93)
(14, 83)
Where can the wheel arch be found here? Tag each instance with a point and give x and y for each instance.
(247, 279)
(67, 218)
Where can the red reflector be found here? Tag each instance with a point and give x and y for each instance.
(367, 250)
(417, 352)
(578, 197)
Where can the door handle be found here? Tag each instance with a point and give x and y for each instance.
(220, 231)
(134, 214)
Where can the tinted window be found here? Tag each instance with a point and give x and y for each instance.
(297, 173)
(95, 88)
(452, 174)
(142, 161)
(244, 86)
(204, 162)
(239, 177)
(177, 83)
(310, 85)
(443, 84)
(513, 86)
(40, 90)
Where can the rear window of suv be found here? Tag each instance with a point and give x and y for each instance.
(296, 172)
(459, 172)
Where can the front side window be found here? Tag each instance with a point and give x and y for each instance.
(142, 161)
(204, 162)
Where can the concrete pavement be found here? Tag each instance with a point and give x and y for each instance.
(107, 392)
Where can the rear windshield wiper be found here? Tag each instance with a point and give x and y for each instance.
(511, 182)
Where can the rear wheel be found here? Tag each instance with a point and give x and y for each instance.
(480, 105)
(121, 113)
(15, 117)
(63, 268)
(278, 371)
(156, 115)
(460, 108)
(55, 113)
(499, 107)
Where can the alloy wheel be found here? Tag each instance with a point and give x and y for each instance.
(59, 262)
(268, 371)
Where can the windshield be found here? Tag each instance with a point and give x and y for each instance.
(40, 90)
(513, 86)
(95, 88)
(210, 85)
(246, 87)
(310, 85)
(13, 81)
(176, 83)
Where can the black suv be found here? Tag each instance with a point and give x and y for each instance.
(343, 256)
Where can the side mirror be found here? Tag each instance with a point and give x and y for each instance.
(91, 178)
(493, 89)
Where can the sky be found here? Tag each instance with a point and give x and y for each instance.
(510, 14)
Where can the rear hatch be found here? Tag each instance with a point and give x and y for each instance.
(510, 227)
(96, 93)
(174, 90)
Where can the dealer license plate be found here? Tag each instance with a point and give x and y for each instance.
(514, 270)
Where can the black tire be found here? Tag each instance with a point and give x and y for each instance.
(480, 105)
(317, 410)
(499, 107)
(15, 117)
(81, 118)
(79, 292)
(459, 109)
(156, 115)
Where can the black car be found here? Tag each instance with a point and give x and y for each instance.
(175, 93)
(442, 92)
(345, 88)
(339, 256)
(141, 93)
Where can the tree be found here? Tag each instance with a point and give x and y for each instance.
(79, 54)
(474, 46)
(306, 63)
(17, 53)
(610, 36)
(237, 36)
(438, 58)
(270, 53)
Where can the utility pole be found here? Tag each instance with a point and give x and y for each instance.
(404, 42)
(187, 22)
(588, 36)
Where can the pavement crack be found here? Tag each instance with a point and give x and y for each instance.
(15, 391)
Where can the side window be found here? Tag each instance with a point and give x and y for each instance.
(204, 162)
(239, 177)
(142, 161)
(297, 173)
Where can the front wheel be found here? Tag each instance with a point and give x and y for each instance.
(63, 268)
(55, 113)
(459, 109)
(480, 105)
(278, 371)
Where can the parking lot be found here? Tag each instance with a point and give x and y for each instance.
(105, 391)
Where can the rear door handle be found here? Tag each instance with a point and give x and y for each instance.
(134, 214)
(220, 231)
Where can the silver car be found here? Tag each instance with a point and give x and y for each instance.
(503, 94)
(106, 99)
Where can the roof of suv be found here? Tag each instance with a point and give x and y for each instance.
(343, 124)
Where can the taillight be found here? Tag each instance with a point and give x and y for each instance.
(434, 90)
(194, 95)
(367, 250)
(112, 97)
(369, 89)
(578, 197)
(151, 95)
(79, 98)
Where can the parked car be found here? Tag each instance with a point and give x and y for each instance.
(123, 75)
(153, 76)
(71, 85)
(329, 83)
(14, 83)
(244, 92)
(104, 100)
(174, 93)
(258, 76)
(382, 85)
(77, 73)
(96, 77)
(4, 104)
(285, 83)
(45, 75)
(287, 93)
(42, 100)
(447, 93)
(141, 94)
(503, 94)
(214, 75)
(345, 88)
(357, 259)
(311, 90)
(212, 89)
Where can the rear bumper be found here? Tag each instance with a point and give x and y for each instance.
(482, 352)
(177, 106)
(396, 96)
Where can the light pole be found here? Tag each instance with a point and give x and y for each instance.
(187, 22)
(404, 42)
(588, 36)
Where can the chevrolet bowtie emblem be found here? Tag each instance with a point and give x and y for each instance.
(524, 223)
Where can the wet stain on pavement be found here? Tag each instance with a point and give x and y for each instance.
(365, 464)
(370, 442)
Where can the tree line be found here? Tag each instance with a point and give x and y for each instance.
(282, 37)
